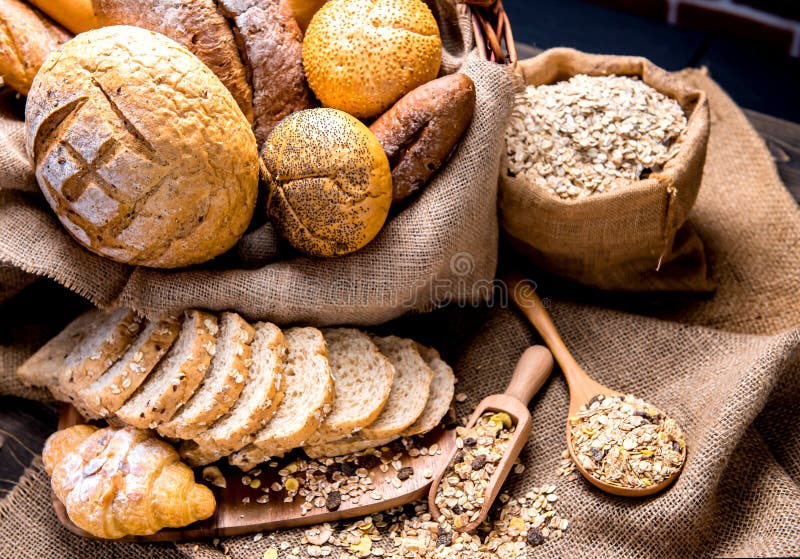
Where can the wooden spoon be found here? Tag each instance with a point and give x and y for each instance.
(582, 387)
(533, 368)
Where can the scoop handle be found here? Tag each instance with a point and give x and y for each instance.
(533, 368)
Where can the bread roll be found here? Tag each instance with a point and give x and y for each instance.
(361, 56)
(329, 182)
(304, 10)
(421, 129)
(26, 38)
(195, 24)
(140, 150)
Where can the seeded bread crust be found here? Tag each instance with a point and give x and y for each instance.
(109, 392)
(308, 399)
(43, 367)
(257, 405)
(223, 384)
(108, 341)
(443, 386)
(410, 389)
(345, 446)
(177, 376)
(363, 378)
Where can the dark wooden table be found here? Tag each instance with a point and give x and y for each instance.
(24, 425)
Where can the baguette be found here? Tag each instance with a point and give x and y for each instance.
(27, 37)
(422, 128)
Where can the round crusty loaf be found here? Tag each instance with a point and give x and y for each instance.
(329, 182)
(139, 148)
(361, 56)
(197, 25)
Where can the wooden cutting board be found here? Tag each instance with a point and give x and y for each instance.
(238, 512)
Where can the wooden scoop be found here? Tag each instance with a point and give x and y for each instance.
(533, 368)
(582, 387)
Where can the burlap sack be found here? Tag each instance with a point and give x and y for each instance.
(623, 238)
(410, 266)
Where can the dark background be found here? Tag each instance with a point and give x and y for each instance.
(756, 74)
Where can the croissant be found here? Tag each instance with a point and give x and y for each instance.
(121, 482)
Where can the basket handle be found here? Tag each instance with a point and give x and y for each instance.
(492, 29)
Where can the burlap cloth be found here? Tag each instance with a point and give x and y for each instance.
(726, 367)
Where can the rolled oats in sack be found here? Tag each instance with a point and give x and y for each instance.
(604, 160)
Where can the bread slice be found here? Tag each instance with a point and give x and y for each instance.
(262, 394)
(43, 367)
(308, 399)
(177, 376)
(443, 386)
(349, 445)
(113, 333)
(362, 376)
(222, 384)
(109, 392)
(412, 382)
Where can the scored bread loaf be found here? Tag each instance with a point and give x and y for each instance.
(272, 44)
(306, 402)
(440, 396)
(260, 398)
(43, 367)
(222, 384)
(195, 24)
(412, 381)
(27, 37)
(177, 375)
(106, 395)
(362, 377)
(348, 445)
(112, 335)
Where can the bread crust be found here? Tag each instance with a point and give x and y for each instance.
(271, 43)
(195, 24)
(422, 128)
(27, 37)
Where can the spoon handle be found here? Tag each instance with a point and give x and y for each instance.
(531, 306)
(533, 368)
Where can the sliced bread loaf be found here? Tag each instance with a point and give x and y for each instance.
(43, 367)
(344, 446)
(410, 389)
(262, 394)
(308, 399)
(177, 376)
(95, 353)
(441, 393)
(109, 392)
(222, 384)
(362, 376)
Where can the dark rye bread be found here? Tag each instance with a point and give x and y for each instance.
(195, 24)
(272, 46)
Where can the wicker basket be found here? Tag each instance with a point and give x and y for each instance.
(492, 31)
